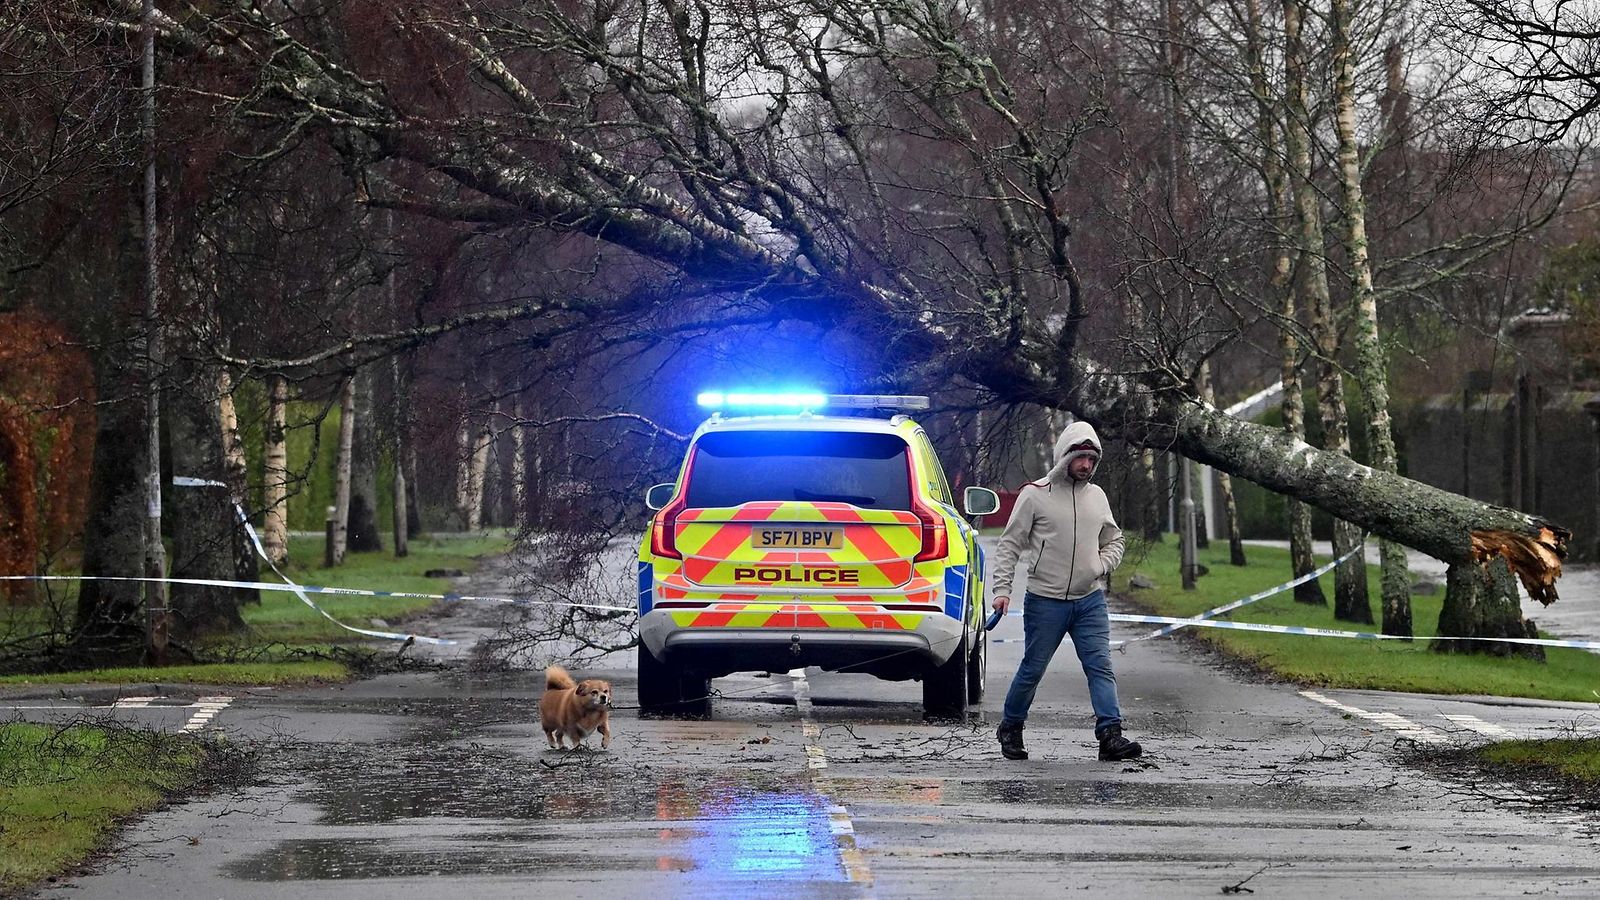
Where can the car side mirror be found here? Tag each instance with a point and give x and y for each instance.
(980, 501)
(659, 495)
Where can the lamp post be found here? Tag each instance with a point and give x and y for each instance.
(1593, 408)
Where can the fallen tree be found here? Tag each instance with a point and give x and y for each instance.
(886, 176)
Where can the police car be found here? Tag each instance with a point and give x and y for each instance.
(822, 535)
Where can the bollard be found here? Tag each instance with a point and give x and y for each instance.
(327, 544)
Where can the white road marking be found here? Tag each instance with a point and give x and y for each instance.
(134, 702)
(1487, 729)
(839, 822)
(1396, 723)
(206, 708)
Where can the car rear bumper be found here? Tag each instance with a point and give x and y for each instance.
(718, 650)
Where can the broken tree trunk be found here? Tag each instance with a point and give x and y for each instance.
(1481, 601)
(1446, 526)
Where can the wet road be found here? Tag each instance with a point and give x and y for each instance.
(830, 785)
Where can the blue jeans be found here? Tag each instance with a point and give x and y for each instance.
(1044, 623)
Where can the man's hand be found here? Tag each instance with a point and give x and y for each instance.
(1000, 604)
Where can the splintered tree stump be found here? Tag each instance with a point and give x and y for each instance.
(1481, 601)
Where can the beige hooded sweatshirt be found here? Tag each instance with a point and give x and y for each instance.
(1061, 529)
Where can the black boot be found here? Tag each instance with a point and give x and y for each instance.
(1011, 742)
(1115, 747)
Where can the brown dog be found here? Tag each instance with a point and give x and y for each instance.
(574, 710)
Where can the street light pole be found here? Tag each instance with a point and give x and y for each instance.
(1593, 408)
(155, 555)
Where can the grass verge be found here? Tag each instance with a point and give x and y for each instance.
(311, 671)
(63, 791)
(1576, 759)
(1335, 662)
(281, 617)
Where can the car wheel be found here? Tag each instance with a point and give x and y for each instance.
(669, 690)
(978, 670)
(944, 687)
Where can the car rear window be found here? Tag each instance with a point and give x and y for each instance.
(867, 470)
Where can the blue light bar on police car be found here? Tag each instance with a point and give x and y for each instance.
(804, 400)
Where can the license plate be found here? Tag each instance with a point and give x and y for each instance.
(797, 538)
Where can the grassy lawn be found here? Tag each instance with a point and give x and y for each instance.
(1336, 662)
(63, 791)
(1574, 758)
(282, 617)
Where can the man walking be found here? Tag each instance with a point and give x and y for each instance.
(1072, 545)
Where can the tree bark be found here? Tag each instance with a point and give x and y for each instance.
(1297, 517)
(275, 477)
(342, 473)
(477, 472)
(1371, 366)
(518, 514)
(109, 624)
(246, 565)
(1350, 602)
(1481, 601)
(1152, 493)
(363, 536)
(398, 446)
(202, 522)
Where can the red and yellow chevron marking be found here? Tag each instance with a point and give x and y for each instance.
(795, 615)
(878, 544)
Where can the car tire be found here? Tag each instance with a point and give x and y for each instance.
(944, 687)
(978, 670)
(669, 690)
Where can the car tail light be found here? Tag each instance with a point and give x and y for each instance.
(935, 540)
(664, 530)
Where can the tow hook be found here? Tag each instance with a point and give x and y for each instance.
(794, 644)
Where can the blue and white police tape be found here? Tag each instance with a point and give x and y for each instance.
(255, 540)
(1259, 595)
(301, 591)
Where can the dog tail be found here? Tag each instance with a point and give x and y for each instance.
(557, 679)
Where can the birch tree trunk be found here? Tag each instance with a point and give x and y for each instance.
(341, 490)
(477, 472)
(247, 566)
(275, 491)
(363, 532)
(202, 521)
(1371, 367)
(1350, 601)
(1297, 515)
(518, 517)
(398, 446)
(464, 455)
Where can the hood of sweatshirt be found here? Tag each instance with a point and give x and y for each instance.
(1071, 436)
